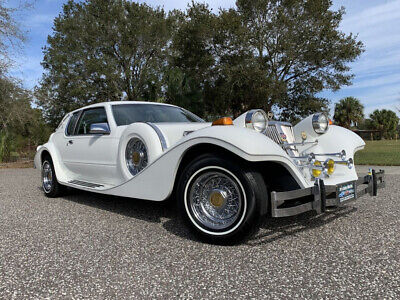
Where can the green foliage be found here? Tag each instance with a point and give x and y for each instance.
(385, 121)
(183, 91)
(271, 54)
(22, 127)
(102, 51)
(349, 112)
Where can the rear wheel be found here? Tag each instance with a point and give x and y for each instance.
(50, 185)
(220, 199)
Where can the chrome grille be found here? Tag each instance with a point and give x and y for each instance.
(273, 134)
(288, 131)
(282, 133)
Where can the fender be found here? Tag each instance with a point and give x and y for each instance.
(63, 175)
(334, 140)
(149, 137)
(246, 143)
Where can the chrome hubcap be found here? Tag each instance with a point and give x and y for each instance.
(215, 200)
(47, 176)
(136, 156)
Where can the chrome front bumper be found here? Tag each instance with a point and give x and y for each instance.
(318, 197)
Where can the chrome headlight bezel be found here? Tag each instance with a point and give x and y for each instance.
(320, 123)
(256, 119)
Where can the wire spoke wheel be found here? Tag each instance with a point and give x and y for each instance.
(136, 156)
(47, 177)
(215, 199)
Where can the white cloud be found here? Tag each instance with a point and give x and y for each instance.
(40, 20)
(368, 82)
(29, 70)
(369, 17)
(377, 72)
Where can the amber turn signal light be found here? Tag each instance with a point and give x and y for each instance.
(223, 121)
(330, 122)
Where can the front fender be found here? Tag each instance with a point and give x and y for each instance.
(245, 143)
(335, 140)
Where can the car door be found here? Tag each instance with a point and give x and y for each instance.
(92, 157)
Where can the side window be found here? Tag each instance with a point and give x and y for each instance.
(89, 117)
(71, 123)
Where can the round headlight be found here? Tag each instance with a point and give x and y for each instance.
(257, 119)
(320, 123)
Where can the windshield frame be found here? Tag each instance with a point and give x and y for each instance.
(192, 115)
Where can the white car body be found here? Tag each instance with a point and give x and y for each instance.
(280, 159)
(99, 159)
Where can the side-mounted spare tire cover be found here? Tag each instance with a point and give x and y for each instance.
(139, 146)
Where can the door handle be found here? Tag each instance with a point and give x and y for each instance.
(70, 142)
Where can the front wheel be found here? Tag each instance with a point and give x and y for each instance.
(220, 200)
(50, 185)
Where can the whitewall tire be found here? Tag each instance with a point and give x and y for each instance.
(220, 199)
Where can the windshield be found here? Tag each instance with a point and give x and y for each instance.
(125, 114)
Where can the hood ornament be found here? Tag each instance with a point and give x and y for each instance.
(303, 135)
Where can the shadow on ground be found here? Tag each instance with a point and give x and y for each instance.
(274, 229)
(271, 229)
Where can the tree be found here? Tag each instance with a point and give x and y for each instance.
(271, 54)
(11, 35)
(349, 112)
(385, 121)
(267, 53)
(21, 126)
(102, 51)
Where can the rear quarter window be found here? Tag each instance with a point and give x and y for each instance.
(71, 124)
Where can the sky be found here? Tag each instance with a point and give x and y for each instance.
(376, 22)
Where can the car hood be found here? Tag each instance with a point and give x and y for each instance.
(173, 132)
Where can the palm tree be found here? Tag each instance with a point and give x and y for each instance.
(349, 112)
(386, 121)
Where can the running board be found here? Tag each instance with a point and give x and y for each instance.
(86, 184)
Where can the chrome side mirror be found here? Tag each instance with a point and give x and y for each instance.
(99, 128)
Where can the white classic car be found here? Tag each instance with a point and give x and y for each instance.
(223, 175)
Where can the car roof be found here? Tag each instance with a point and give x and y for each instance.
(120, 103)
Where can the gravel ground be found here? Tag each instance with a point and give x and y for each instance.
(91, 246)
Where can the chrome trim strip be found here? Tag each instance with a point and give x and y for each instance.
(301, 144)
(85, 184)
(280, 123)
(160, 136)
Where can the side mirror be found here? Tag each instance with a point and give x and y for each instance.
(99, 128)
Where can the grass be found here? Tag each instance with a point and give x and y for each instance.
(380, 153)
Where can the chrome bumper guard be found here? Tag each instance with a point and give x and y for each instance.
(318, 197)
